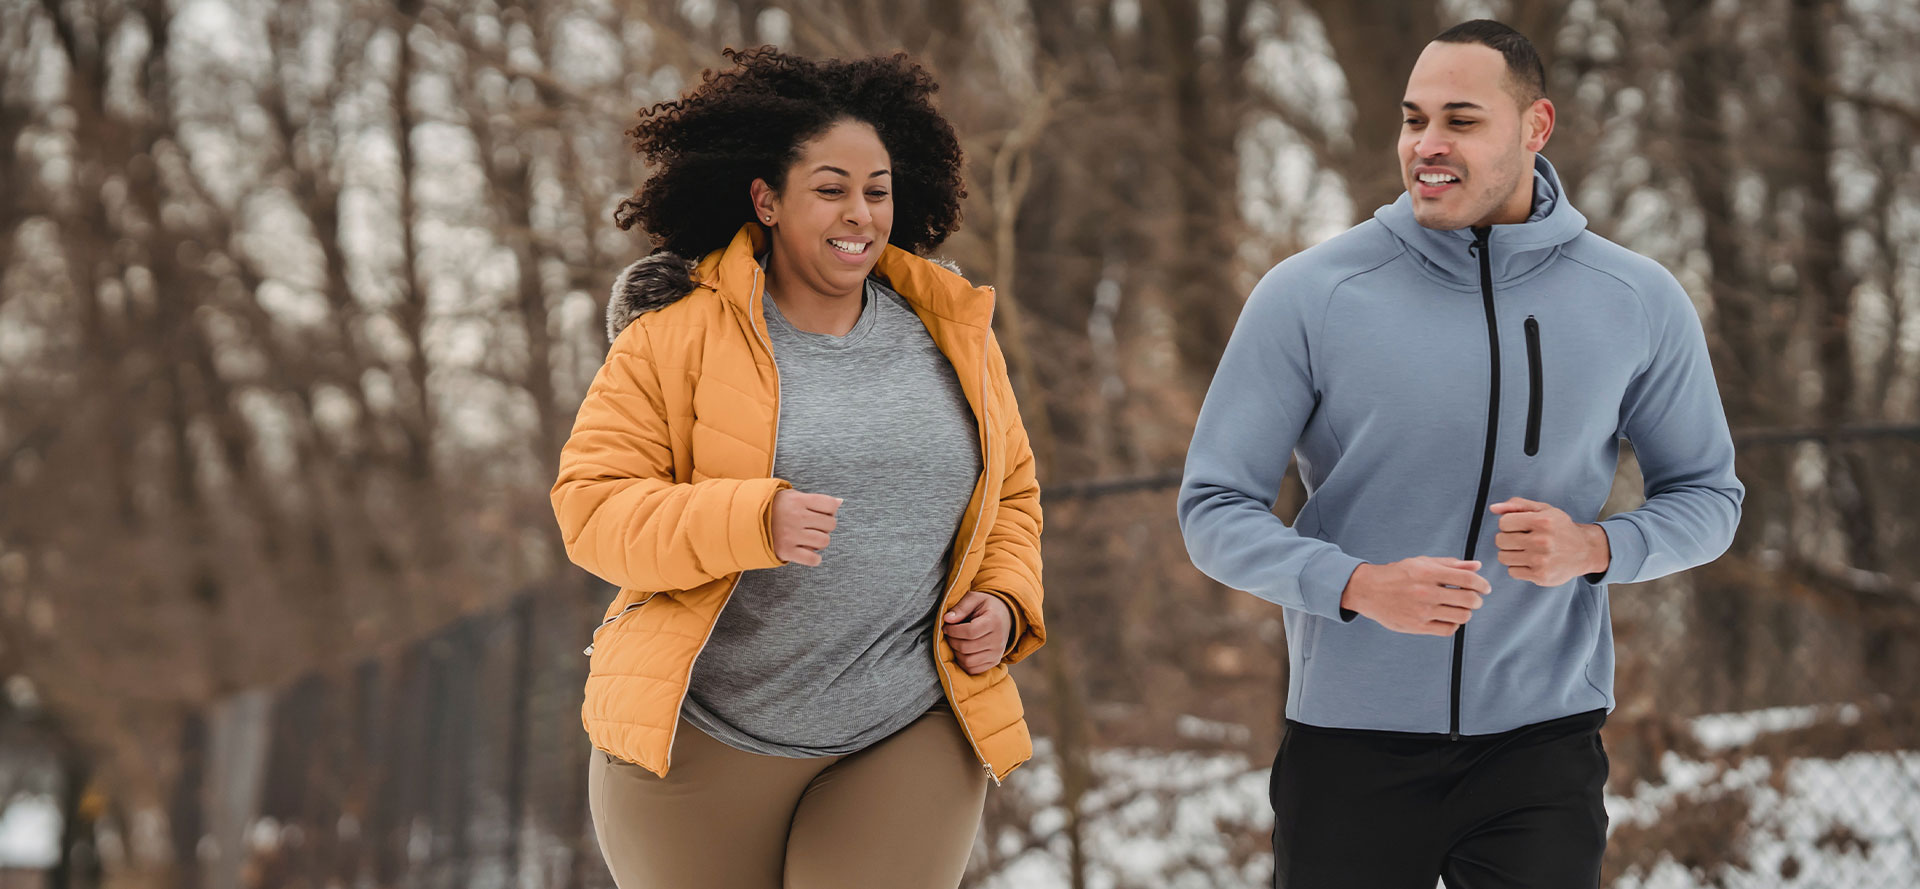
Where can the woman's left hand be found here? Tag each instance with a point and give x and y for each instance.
(979, 628)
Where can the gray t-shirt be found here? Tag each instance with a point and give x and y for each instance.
(827, 660)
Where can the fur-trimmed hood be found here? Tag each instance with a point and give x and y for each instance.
(659, 280)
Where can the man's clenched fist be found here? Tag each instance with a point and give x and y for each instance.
(1427, 595)
(1543, 545)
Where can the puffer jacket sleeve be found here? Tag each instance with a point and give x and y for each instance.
(1010, 568)
(622, 515)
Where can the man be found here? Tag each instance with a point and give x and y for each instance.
(1454, 376)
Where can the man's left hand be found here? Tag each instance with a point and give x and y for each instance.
(1541, 544)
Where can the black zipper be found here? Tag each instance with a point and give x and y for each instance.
(1536, 393)
(1479, 248)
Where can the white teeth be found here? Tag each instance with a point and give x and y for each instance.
(852, 247)
(1438, 178)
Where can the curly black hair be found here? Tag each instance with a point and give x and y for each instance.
(749, 122)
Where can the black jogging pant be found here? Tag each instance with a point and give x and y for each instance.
(1521, 809)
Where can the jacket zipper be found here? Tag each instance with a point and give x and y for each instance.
(986, 454)
(753, 303)
(1481, 250)
(1537, 393)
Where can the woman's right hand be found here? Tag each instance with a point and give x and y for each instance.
(802, 525)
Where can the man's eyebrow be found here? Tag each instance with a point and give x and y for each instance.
(1450, 106)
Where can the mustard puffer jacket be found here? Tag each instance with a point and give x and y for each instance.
(666, 484)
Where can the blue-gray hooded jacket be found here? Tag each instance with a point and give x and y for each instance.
(1419, 377)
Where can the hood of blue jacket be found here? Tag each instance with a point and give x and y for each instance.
(1522, 249)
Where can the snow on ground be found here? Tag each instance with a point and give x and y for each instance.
(1173, 819)
(1720, 731)
(1874, 797)
(30, 832)
(1161, 821)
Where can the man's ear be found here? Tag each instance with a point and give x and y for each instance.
(1539, 123)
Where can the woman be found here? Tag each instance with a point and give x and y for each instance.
(803, 466)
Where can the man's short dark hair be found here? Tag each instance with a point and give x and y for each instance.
(1526, 76)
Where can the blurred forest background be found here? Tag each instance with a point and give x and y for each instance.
(299, 300)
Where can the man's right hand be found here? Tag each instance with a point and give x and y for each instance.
(802, 525)
(1427, 595)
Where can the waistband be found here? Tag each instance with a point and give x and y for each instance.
(1590, 720)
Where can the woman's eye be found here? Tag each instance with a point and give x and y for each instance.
(830, 192)
(876, 195)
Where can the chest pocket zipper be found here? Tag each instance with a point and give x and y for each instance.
(1536, 393)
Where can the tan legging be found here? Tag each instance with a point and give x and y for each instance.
(901, 814)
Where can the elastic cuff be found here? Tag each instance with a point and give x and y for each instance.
(1628, 552)
(1013, 609)
(753, 522)
(1324, 581)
